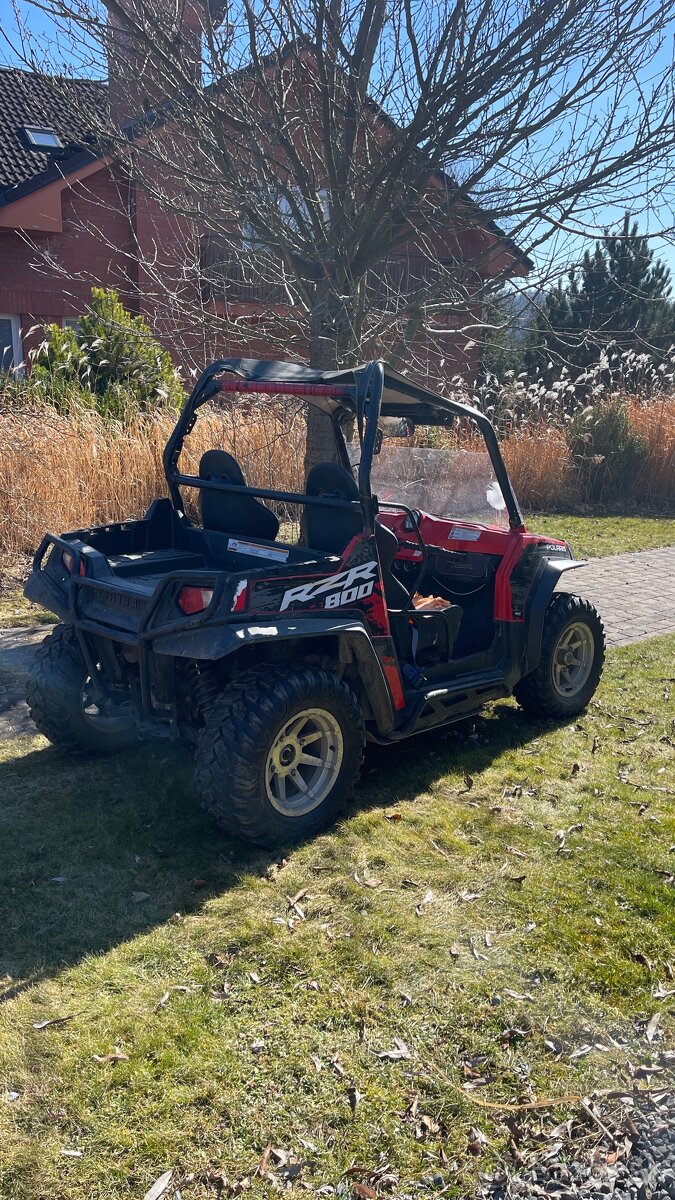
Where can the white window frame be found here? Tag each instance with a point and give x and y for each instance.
(17, 355)
(33, 133)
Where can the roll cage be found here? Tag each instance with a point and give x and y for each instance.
(365, 393)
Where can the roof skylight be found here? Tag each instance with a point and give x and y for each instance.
(43, 138)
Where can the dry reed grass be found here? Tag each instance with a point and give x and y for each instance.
(64, 472)
(655, 423)
(540, 464)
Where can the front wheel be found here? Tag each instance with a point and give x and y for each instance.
(280, 754)
(570, 666)
(63, 703)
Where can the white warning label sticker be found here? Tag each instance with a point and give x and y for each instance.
(276, 553)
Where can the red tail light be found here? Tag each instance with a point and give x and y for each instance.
(194, 599)
(68, 561)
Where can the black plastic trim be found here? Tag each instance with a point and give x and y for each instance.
(537, 605)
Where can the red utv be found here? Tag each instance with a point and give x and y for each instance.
(417, 596)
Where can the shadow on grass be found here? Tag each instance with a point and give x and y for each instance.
(95, 853)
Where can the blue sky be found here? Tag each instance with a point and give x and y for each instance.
(45, 41)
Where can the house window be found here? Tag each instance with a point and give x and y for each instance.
(289, 216)
(252, 241)
(71, 323)
(10, 343)
(43, 138)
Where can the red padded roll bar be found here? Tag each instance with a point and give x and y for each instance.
(336, 390)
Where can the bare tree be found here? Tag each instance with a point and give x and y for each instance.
(341, 163)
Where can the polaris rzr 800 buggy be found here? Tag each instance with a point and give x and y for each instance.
(279, 660)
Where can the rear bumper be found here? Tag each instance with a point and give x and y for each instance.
(108, 612)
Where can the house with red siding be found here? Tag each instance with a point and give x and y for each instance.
(71, 215)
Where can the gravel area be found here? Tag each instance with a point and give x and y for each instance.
(633, 1160)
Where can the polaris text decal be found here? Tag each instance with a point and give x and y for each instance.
(344, 588)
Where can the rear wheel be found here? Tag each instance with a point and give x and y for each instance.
(572, 655)
(280, 754)
(63, 703)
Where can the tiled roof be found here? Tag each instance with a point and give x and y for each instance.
(74, 108)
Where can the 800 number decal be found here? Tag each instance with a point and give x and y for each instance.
(344, 588)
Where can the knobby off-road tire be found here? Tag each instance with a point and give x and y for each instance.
(252, 776)
(572, 655)
(58, 701)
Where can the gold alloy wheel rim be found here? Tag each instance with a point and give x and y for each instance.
(303, 762)
(573, 659)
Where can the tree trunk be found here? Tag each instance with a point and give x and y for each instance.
(327, 319)
(327, 351)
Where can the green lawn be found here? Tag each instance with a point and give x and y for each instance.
(593, 537)
(15, 610)
(500, 900)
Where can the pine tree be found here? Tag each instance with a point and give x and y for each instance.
(502, 343)
(618, 297)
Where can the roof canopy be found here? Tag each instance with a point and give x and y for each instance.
(400, 398)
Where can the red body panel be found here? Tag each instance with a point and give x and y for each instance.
(446, 534)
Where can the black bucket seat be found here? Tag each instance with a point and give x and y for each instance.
(331, 530)
(228, 512)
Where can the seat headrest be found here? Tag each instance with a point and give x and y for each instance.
(331, 479)
(218, 464)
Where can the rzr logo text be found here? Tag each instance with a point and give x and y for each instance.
(344, 588)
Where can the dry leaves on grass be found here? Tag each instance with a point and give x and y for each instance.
(116, 1056)
(363, 1191)
(399, 1050)
(652, 1027)
(294, 903)
(426, 900)
(164, 1000)
(51, 1022)
(367, 882)
(159, 1187)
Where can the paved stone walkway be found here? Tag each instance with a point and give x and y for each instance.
(16, 651)
(634, 594)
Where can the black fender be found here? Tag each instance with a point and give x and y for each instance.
(216, 642)
(538, 603)
(39, 589)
